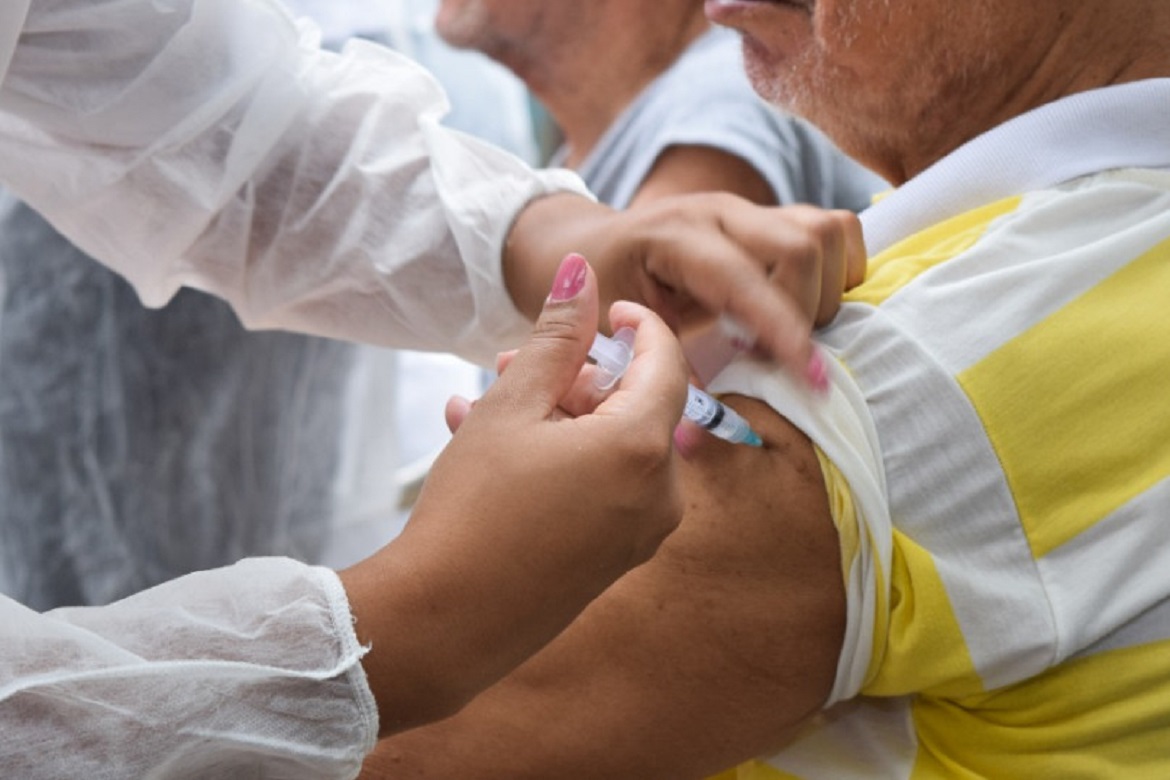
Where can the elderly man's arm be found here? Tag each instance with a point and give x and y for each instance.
(683, 169)
(715, 651)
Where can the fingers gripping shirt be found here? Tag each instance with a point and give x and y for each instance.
(210, 143)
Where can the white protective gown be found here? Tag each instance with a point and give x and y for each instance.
(209, 143)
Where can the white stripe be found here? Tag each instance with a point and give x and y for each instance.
(1125, 126)
(1111, 573)
(857, 740)
(1040, 258)
(1149, 627)
(947, 492)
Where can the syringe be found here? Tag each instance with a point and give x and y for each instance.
(613, 356)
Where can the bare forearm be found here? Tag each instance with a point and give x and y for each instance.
(557, 224)
(543, 233)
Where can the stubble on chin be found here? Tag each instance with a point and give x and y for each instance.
(807, 80)
(812, 89)
(881, 107)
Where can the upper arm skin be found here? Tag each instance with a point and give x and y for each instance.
(710, 654)
(681, 170)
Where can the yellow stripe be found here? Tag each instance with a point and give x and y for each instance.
(1063, 403)
(926, 650)
(844, 513)
(842, 510)
(899, 265)
(1103, 716)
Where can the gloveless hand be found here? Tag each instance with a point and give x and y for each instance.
(545, 496)
(776, 271)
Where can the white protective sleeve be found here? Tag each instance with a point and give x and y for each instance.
(247, 671)
(212, 144)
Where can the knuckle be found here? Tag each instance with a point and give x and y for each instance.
(649, 454)
(646, 456)
(553, 331)
(802, 263)
(828, 227)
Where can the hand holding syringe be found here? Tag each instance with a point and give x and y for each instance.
(613, 356)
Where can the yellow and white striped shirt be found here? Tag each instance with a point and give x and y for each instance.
(998, 450)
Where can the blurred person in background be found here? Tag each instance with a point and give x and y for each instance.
(651, 100)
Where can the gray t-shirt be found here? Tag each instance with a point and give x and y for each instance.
(705, 99)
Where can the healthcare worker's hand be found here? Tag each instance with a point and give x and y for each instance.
(775, 270)
(545, 496)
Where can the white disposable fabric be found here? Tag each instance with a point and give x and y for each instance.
(137, 445)
(210, 143)
(248, 671)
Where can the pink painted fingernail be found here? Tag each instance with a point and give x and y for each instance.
(570, 278)
(817, 372)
